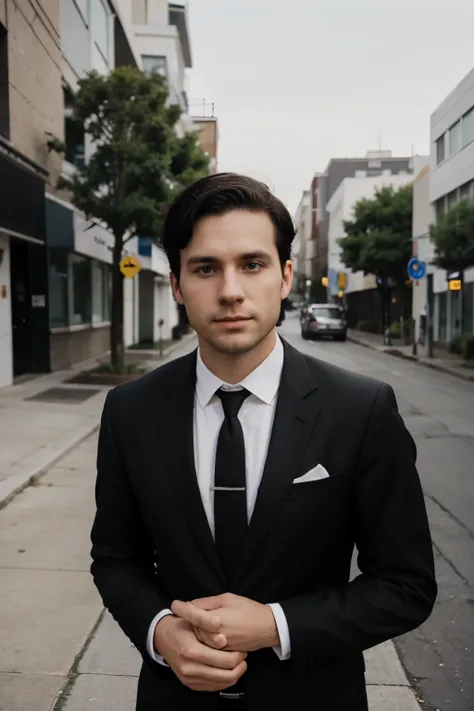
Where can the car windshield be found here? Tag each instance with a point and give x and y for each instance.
(327, 311)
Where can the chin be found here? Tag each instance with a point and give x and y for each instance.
(235, 343)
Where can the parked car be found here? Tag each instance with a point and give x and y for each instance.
(323, 321)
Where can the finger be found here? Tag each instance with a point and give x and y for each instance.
(219, 678)
(196, 617)
(217, 641)
(218, 658)
(209, 603)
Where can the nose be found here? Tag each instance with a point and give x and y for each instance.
(231, 290)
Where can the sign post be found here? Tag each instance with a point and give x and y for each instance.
(130, 266)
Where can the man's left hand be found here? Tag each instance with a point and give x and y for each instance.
(245, 624)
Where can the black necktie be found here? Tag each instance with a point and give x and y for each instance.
(230, 496)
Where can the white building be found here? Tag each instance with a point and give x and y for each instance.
(452, 180)
(341, 208)
(302, 222)
(161, 31)
(423, 217)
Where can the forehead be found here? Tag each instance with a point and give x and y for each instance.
(234, 232)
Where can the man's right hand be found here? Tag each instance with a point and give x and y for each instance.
(197, 666)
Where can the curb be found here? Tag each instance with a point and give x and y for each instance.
(467, 377)
(16, 483)
(167, 352)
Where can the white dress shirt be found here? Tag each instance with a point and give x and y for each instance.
(256, 417)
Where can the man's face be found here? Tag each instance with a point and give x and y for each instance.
(231, 280)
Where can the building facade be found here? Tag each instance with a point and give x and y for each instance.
(452, 180)
(30, 86)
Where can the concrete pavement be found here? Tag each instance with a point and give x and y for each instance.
(43, 418)
(58, 649)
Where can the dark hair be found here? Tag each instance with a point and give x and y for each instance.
(216, 195)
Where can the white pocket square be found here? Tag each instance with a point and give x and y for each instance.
(315, 474)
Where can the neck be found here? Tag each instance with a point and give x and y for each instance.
(233, 368)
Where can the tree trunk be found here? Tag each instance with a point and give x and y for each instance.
(116, 330)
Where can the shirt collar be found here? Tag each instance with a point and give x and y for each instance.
(263, 382)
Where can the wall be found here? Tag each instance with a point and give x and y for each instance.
(35, 81)
(131, 311)
(459, 168)
(6, 356)
(423, 217)
(73, 347)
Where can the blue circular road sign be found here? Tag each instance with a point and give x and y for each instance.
(416, 269)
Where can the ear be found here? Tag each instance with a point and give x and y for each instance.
(287, 281)
(176, 290)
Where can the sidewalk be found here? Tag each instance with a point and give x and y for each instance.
(44, 418)
(442, 361)
(60, 651)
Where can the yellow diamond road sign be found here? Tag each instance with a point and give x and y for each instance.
(130, 266)
(455, 285)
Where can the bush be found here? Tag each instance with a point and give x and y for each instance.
(467, 346)
(455, 345)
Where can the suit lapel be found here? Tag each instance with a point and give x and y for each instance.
(296, 413)
(176, 422)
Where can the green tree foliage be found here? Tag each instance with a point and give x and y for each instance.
(453, 237)
(138, 163)
(379, 237)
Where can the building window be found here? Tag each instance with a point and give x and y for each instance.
(455, 138)
(101, 291)
(140, 12)
(468, 307)
(4, 85)
(439, 208)
(466, 191)
(100, 27)
(155, 64)
(441, 149)
(452, 199)
(75, 42)
(468, 127)
(58, 288)
(74, 134)
(79, 274)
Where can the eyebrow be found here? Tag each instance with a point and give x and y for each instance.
(248, 256)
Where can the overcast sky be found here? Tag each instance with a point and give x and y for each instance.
(297, 82)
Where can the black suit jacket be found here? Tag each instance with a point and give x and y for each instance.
(152, 543)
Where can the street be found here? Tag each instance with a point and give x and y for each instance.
(60, 652)
(439, 411)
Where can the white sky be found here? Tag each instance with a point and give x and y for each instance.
(297, 82)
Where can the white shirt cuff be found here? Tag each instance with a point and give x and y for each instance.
(150, 647)
(283, 652)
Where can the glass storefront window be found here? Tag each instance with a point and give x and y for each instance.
(58, 288)
(79, 290)
(101, 292)
(468, 307)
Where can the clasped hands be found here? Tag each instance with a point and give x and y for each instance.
(206, 641)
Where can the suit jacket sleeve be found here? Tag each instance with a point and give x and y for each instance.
(396, 589)
(122, 550)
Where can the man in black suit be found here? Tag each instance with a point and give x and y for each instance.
(234, 484)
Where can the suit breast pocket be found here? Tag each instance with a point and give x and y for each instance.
(311, 491)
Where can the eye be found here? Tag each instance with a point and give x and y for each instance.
(205, 270)
(253, 266)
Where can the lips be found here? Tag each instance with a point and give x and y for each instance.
(233, 319)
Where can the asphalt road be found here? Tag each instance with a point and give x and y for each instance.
(439, 411)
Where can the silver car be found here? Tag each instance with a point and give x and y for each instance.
(324, 321)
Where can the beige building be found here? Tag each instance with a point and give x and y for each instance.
(30, 112)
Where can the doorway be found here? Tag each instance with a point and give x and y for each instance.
(21, 307)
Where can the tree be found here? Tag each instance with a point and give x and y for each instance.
(138, 164)
(379, 238)
(453, 238)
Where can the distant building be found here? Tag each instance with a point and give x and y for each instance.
(452, 180)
